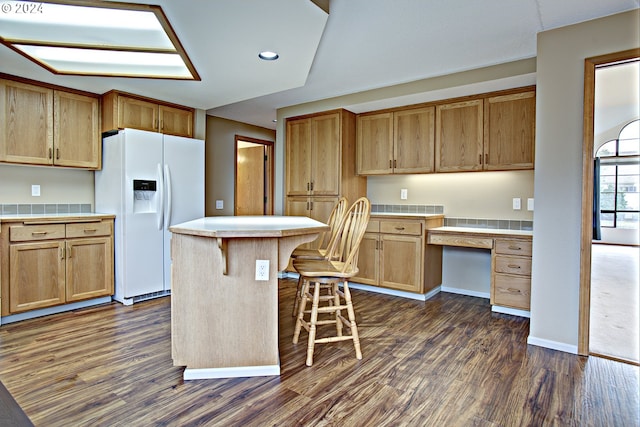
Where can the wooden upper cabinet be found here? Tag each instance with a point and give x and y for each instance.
(313, 156)
(396, 142)
(175, 121)
(26, 123)
(509, 131)
(414, 140)
(298, 157)
(76, 133)
(374, 148)
(325, 155)
(137, 114)
(459, 136)
(121, 110)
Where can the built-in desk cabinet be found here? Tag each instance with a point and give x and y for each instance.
(393, 254)
(44, 126)
(123, 110)
(44, 264)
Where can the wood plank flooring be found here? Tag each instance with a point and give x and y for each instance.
(445, 362)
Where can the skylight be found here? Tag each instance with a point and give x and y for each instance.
(96, 38)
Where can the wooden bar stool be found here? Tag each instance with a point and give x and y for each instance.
(338, 266)
(324, 241)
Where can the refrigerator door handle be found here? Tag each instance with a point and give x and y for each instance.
(160, 204)
(167, 183)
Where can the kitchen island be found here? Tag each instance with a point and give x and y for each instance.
(224, 317)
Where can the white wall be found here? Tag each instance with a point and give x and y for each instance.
(558, 176)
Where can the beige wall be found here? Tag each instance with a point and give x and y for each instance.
(558, 177)
(220, 160)
(57, 185)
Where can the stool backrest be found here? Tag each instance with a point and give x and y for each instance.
(326, 239)
(351, 230)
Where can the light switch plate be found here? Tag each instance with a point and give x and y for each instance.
(219, 204)
(516, 204)
(403, 194)
(35, 190)
(529, 204)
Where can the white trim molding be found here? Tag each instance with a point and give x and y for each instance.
(235, 372)
(553, 345)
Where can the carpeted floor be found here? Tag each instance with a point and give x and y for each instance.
(614, 324)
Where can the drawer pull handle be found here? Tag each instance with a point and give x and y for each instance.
(39, 233)
(513, 266)
(515, 248)
(399, 228)
(513, 290)
(90, 230)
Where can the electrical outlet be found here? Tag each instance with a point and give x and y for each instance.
(219, 204)
(35, 190)
(516, 203)
(529, 204)
(403, 194)
(262, 269)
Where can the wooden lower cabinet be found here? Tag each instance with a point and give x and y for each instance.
(45, 264)
(393, 254)
(511, 273)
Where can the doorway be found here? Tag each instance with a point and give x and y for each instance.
(587, 262)
(253, 176)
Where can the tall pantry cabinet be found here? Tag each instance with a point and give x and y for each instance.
(320, 163)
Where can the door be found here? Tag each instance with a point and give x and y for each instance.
(250, 180)
(298, 157)
(89, 268)
(76, 133)
(184, 189)
(325, 155)
(400, 260)
(37, 275)
(141, 234)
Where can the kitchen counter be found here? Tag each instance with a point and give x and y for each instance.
(487, 232)
(224, 308)
(53, 217)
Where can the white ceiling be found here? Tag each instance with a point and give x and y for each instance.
(364, 44)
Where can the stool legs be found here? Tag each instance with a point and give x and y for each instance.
(334, 306)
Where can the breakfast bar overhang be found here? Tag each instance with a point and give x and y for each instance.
(224, 322)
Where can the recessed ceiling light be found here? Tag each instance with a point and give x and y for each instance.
(97, 38)
(268, 55)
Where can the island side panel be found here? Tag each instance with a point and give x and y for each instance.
(223, 321)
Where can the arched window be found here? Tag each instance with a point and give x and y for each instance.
(620, 179)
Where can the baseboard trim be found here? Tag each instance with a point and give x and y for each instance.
(511, 311)
(54, 310)
(466, 292)
(235, 372)
(553, 345)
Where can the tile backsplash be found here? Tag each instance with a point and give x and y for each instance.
(504, 224)
(41, 208)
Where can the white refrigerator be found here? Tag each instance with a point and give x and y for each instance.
(150, 181)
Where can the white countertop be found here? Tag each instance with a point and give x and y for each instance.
(488, 231)
(250, 226)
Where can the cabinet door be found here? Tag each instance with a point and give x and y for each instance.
(176, 121)
(137, 114)
(325, 155)
(459, 135)
(374, 146)
(321, 207)
(37, 275)
(297, 206)
(368, 264)
(76, 135)
(509, 131)
(298, 157)
(89, 268)
(400, 262)
(26, 123)
(414, 140)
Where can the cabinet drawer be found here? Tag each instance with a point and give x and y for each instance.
(513, 247)
(460, 240)
(88, 229)
(512, 291)
(401, 227)
(513, 265)
(25, 233)
(373, 226)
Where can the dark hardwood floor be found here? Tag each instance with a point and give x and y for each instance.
(445, 362)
